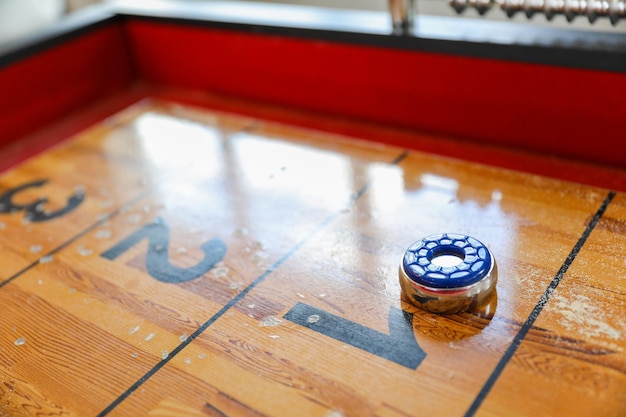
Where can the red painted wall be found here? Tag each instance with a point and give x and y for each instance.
(48, 85)
(562, 111)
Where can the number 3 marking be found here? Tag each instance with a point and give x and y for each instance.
(34, 211)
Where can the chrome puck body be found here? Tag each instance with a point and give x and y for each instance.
(448, 287)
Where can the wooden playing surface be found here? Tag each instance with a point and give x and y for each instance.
(175, 261)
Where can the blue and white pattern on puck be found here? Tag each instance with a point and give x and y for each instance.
(475, 261)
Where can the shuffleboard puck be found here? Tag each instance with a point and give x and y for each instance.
(448, 273)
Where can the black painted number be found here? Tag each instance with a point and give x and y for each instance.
(34, 211)
(398, 346)
(157, 262)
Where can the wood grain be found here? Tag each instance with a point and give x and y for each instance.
(312, 222)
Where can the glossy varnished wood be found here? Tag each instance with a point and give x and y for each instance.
(312, 222)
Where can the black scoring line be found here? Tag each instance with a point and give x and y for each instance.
(355, 196)
(400, 158)
(543, 300)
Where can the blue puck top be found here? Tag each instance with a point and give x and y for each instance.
(474, 261)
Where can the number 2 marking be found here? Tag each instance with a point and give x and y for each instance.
(398, 346)
(157, 262)
(34, 211)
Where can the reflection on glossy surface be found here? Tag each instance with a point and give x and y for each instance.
(281, 170)
(389, 190)
(439, 183)
(247, 181)
(175, 143)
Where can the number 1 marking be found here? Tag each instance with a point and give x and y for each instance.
(398, 346)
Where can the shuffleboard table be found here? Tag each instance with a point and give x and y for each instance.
(203, 211)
